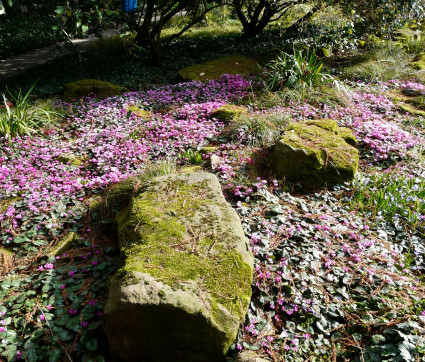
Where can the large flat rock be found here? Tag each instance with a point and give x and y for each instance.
(185, 281)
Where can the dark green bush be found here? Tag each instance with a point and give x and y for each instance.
(25, 33)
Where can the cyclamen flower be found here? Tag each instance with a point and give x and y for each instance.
(84, 324)
(2, 329)
(48, 266)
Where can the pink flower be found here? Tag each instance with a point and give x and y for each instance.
(92, 302)
(48, 266)
(71, 273)
(2, 329)
(84, 324)
(42, 317)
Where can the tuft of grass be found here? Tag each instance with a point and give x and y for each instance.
(213, 30)
(258, 130)
(388, 61)
(22, 117)
(334, 94)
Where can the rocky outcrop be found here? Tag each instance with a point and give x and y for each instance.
(316, 154)
(214, 69)
(185, 281)
(86, 87)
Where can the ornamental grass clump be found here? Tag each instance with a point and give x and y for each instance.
(300, 70)
(22, 118)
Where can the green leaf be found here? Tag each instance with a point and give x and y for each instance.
(59, 10)
(84, 28)
(55, 355)
(91, 344)
(63, 320)
(94, 325)
(65, 335)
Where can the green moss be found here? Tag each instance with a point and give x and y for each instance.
(214, 69)
(69, 158)
(4, 204)
(412, 110)
(228, 112)
(85, 87)
(208, 150)
(155, 238)
(418, 62)
(322, 154)
(348, 136)
(139, 112)
(67, 242)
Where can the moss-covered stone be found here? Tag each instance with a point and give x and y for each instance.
(418, 62)
(214, 69)
(411, 110)
(186, 273)
(67, 242)
(316, 154)
(69, 158)
(85, 87)
(142, 113)
(228, 112)
(208, 149)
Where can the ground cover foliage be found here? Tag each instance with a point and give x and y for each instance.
(338, 273)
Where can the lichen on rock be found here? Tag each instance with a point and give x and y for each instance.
(185, 256)
(315, 154)
(86, 87)
(214, 69)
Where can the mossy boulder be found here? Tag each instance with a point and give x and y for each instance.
(228, 112)
(142, 113)
(316, 154)
(67, 242)
(214, 69)
(418, 62)
(68, 158)
(185, 281)
(85, 87)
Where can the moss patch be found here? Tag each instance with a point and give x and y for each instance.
(69, 158)
(172, 235)
(86, 87)
(4, 204)
(412, 110)
(316, 154)
(141, 113)
(418, 62)
(214, 69)
(228, 112)
(66, 243)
